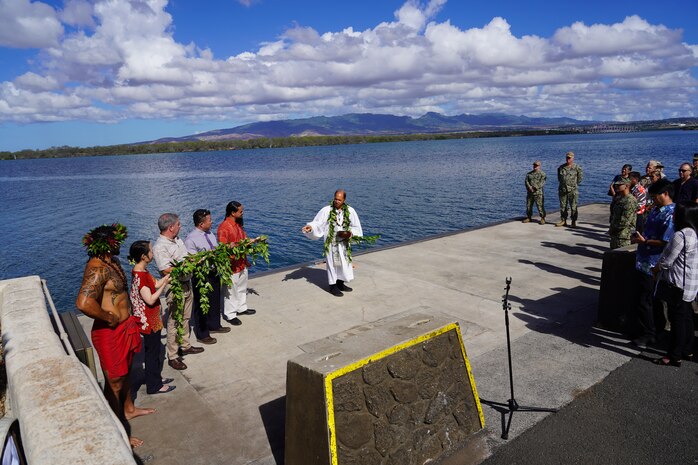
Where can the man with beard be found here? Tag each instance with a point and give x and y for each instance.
(201, 239)
(231, 231)
(104, 297)
(337, 223)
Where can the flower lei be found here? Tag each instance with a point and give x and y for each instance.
(96, 247)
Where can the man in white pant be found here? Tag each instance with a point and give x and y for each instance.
(230, 231)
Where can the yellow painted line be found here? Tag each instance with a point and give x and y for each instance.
(329, 397)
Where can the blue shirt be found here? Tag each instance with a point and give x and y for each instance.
(659, 226)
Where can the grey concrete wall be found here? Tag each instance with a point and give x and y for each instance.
(63, 416)
(400, 394)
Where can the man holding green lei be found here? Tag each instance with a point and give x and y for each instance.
(337, 223)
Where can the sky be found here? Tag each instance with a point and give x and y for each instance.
(101, 72)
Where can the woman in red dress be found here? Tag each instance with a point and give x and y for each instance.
(145, 300)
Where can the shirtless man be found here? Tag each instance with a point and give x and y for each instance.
(104, 297)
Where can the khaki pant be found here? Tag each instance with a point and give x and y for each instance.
(172, 345)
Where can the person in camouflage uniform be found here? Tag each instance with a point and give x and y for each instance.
(624, 214)
(569, 175)
(535, 180)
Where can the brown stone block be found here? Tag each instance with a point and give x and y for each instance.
(395, 392)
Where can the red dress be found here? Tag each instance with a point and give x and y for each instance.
(148, 316)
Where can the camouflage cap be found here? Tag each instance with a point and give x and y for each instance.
(619, 181)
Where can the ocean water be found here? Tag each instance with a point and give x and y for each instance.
(402, 190)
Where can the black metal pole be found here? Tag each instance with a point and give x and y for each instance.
(511, 406)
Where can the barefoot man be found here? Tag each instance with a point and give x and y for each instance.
(104, 297)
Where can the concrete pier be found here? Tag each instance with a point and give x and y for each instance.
(228, 407)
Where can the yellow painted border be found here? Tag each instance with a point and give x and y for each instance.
(329, 397)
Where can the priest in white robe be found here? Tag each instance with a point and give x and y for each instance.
(332, 225)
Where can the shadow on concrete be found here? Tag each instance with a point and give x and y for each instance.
(601, 248)
(585, 278)
(314, 276)
(582, 250)
(576, 326)
(593, 234)
(274, 418)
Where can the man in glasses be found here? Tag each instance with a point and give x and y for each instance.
(686, 186)
(569, 176)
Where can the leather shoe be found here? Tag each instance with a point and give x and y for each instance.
(249, 311)
(177, 364)
(207, 340)
(343, 287)
(334, 290)
(191, 350)
(234, 321)
(219, 330)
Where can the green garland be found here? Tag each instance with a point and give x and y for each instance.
(355, 240)
(199, 265)
(362, 241)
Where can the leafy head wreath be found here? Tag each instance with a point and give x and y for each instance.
(104, 239)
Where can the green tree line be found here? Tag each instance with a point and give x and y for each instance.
(264, 142)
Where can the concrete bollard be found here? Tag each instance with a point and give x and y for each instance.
(399, 390)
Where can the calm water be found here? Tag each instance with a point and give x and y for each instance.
(404, 191)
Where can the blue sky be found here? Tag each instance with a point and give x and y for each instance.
(87, 73)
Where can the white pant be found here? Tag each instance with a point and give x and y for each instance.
(235, 296)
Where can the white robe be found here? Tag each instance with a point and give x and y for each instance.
(338, 265)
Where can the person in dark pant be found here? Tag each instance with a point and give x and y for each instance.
(145, 301)
(678, 282)
(200, 239)
(659, 229)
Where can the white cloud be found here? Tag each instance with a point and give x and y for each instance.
(24, 24)
(33, 82)
(124, 62)
(78, 13)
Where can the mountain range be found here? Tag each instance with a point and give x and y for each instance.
(377, 124)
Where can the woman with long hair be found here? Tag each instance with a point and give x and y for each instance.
(145, 300)
(678, 282)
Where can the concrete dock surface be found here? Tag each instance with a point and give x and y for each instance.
(228, 407)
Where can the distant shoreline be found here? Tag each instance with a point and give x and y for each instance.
(282, 142)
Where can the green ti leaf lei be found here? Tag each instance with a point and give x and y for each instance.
(362, 241)
(199, 265)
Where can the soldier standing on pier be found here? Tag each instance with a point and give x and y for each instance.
(569, 175)
(623, 215)
(535, 181)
